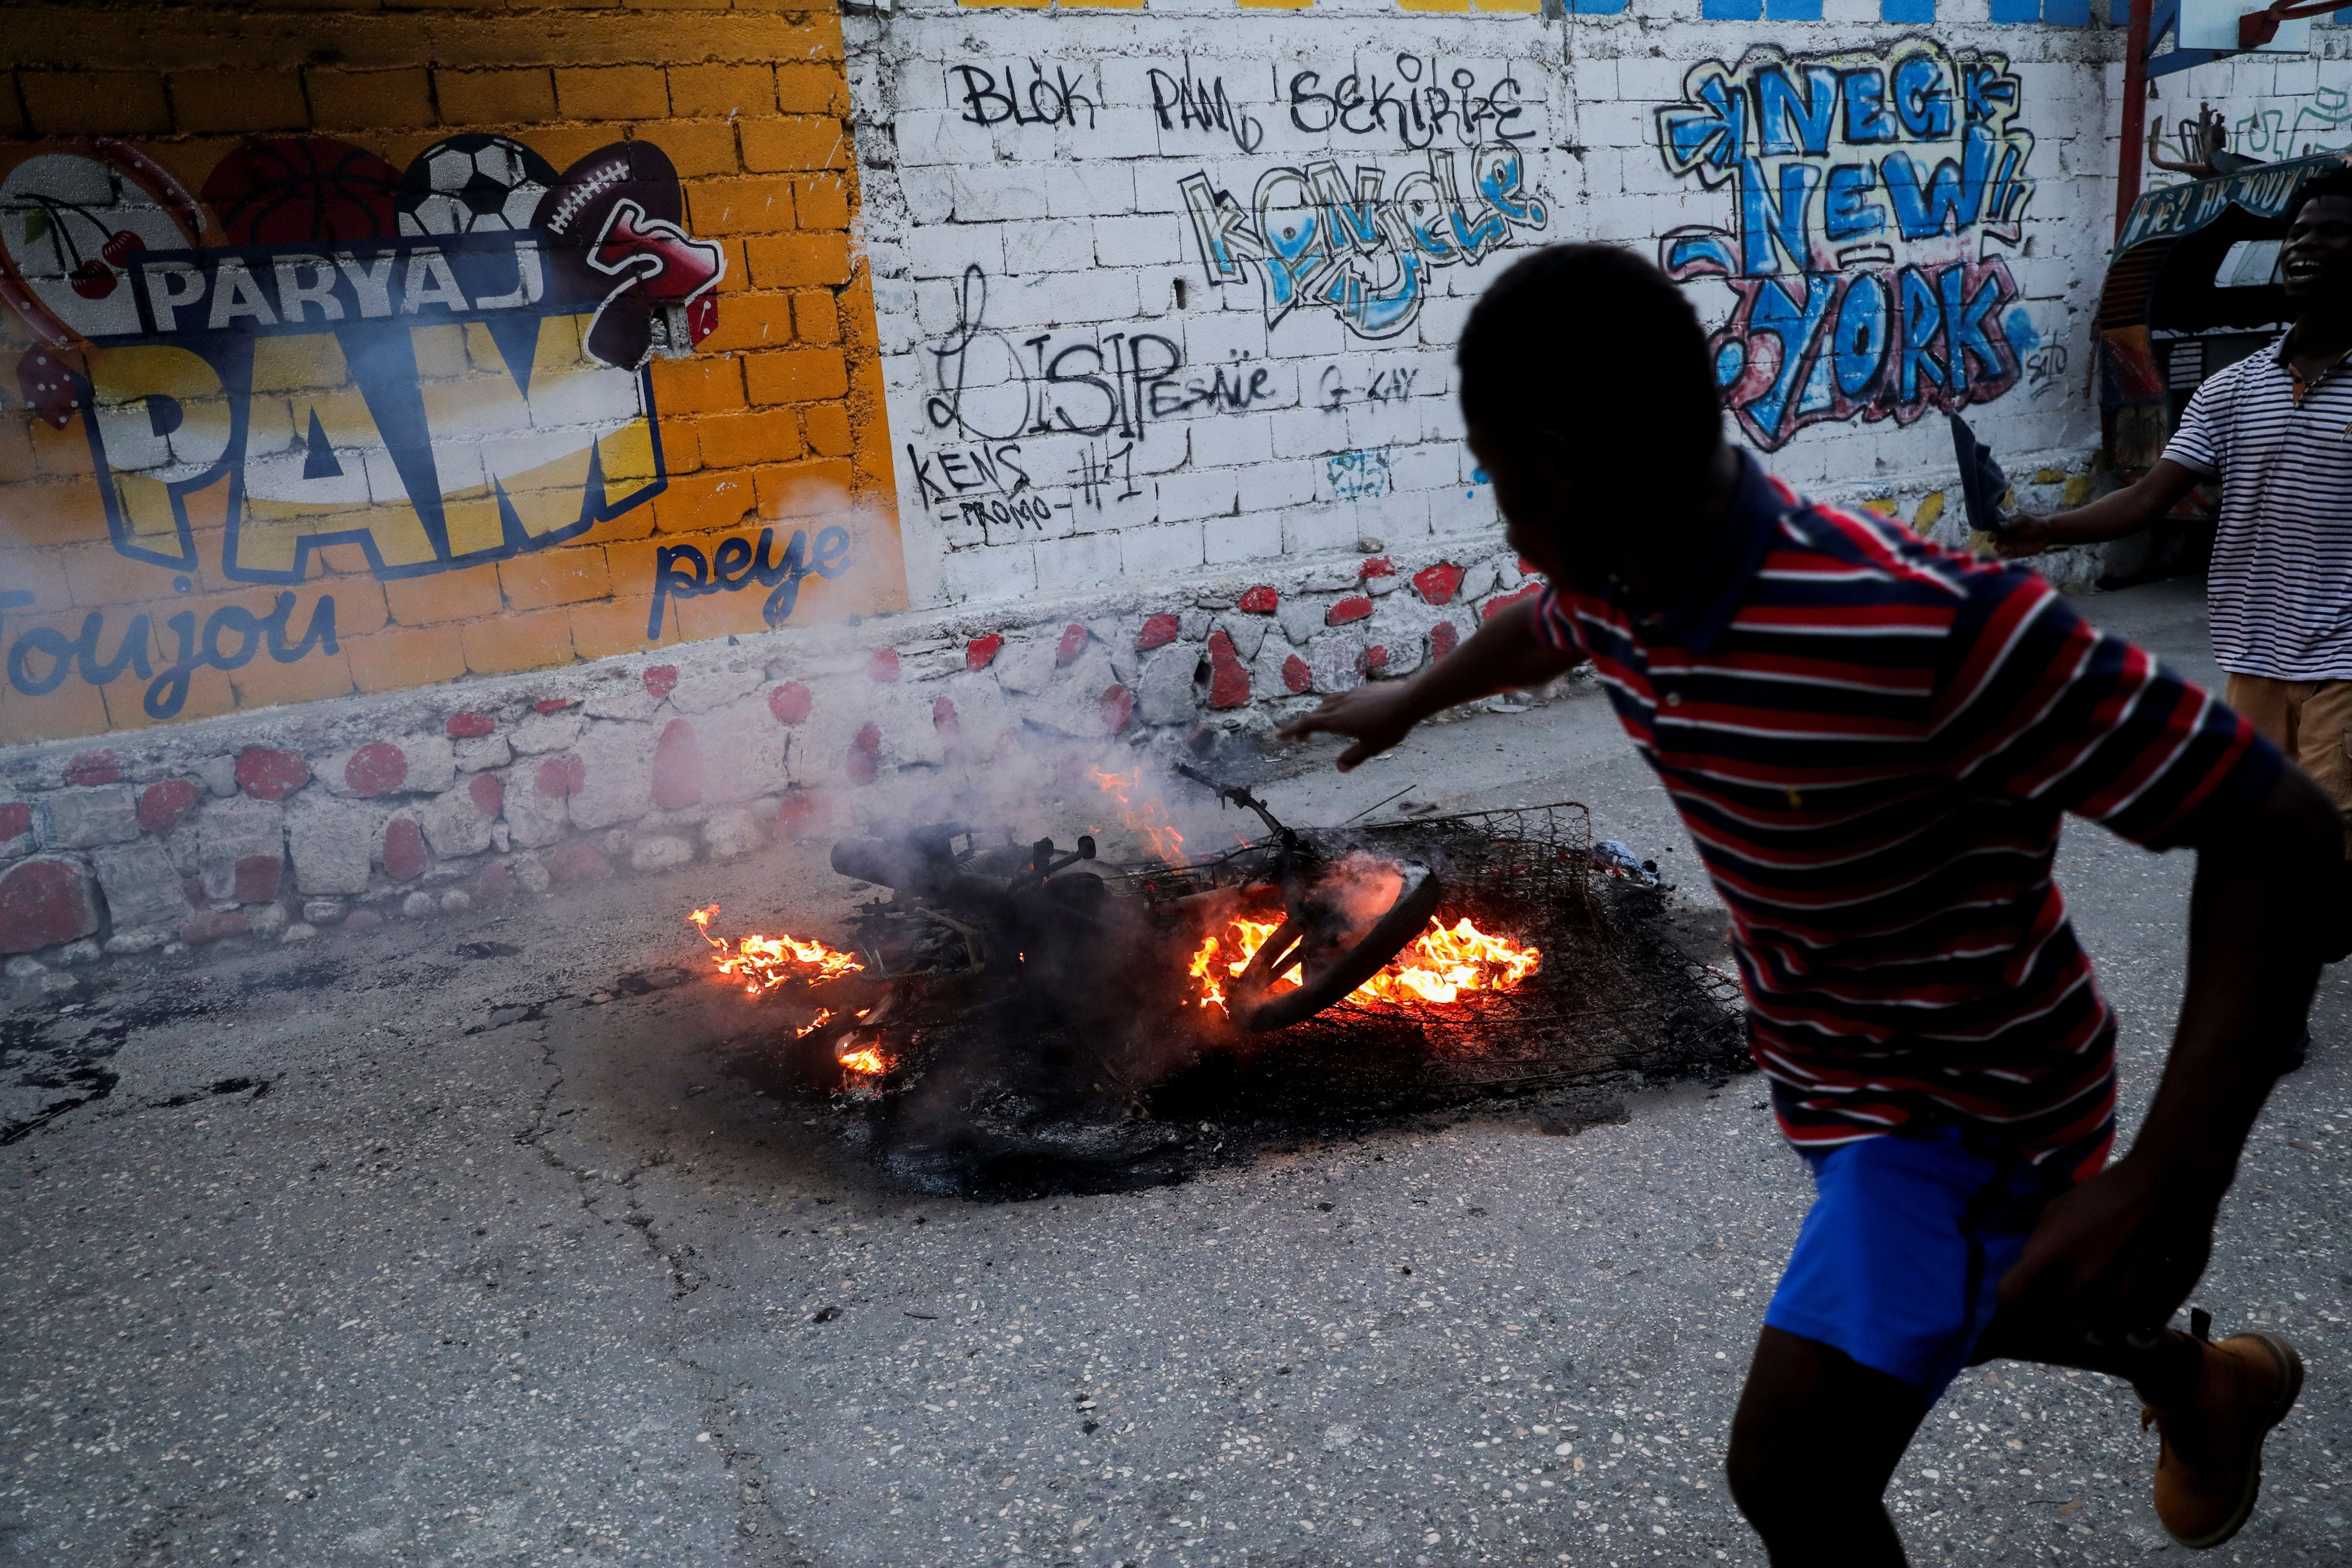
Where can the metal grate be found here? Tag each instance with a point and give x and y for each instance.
(2184, 365)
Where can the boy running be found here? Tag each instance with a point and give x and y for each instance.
(1871, 741)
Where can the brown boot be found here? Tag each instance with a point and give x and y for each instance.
(2212, 1465)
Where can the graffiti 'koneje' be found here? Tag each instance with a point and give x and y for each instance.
(1364, 251)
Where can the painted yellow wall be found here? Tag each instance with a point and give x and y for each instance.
(470, 464)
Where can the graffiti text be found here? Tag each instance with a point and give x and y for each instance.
(1184, 101)
(1363, 250)
(1042, 101)
(40, 658)
(1412, 105)
(683, 572)
(1865, 189)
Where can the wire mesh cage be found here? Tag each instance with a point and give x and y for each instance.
(1614, 994)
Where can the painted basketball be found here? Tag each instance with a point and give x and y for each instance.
(474, 183)
(299, 190)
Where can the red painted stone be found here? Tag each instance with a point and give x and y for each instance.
(93, 768)
(550, 705)
(981, 652)
(1229, 678)
(1075, 638)
(1378, 566)
(161, 806)
(17, 819)
(884, 665)
(267, 774)
(467, 726)
(792, 703)
(1158, 631)
(1500, 602)
(487, 793)
(498, 882)
(1442, 639)
(661, 680)
(258, 877)
(1375, 657)
(579, 861)
(943, 716)
(1261, 600)
(677, 767)
(561, 777)
(865, 761)
(44, 902)
(1119, 706)
(375, 768)
(1437, 584)
(404, 849)
(1529, 568)
(214, 924)
(1354, 608)
(1296, 676)
(803, 814)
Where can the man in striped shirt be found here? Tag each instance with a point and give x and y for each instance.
(2275, 430)
(1872, 742)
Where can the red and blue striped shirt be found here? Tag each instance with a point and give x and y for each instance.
(1872, 741)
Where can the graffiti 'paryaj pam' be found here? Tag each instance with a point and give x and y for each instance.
(442, 365)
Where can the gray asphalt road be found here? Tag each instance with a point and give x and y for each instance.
(396, 1250)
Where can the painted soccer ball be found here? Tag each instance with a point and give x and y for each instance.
(473, 183)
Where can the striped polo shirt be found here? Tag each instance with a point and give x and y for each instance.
(1872, 742)
(2280, 588)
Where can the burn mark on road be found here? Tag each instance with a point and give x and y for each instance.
(645, 982)
(57, 1062)
(253, 1089)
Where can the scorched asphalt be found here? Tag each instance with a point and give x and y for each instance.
(403, 1248)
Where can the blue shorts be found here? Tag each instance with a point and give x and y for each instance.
(1900, 1259)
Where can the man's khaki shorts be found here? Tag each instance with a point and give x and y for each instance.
(2311, 722)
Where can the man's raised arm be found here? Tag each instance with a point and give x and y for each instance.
(1507, 654)
(2124, 512)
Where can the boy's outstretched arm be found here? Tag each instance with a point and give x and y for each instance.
(2121, 1252)
(1506, 655)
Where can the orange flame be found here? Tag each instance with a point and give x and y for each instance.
(1442, 963)
(1439, 965)
(1240, 943)
(867, 1060)
(764, 962)
(1149, 820)
(823, 1016)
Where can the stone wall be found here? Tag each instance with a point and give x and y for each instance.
(417, 803)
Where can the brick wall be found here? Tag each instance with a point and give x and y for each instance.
(502, 497)
(1049, 193)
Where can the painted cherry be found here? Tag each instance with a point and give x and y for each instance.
(121, 247)
(93, 280)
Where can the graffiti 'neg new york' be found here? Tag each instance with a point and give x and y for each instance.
(1866, 189)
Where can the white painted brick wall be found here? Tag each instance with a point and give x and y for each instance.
(1082, 230)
